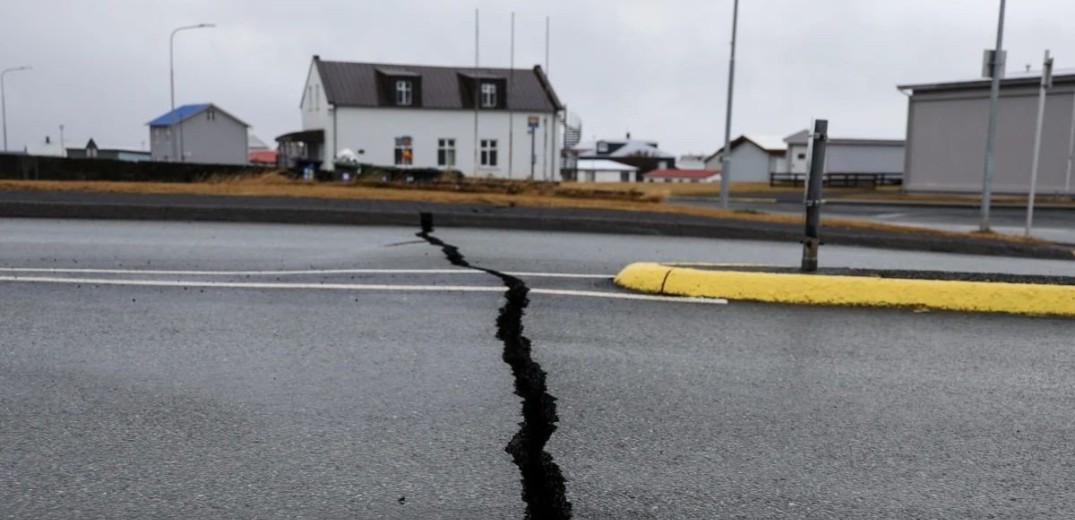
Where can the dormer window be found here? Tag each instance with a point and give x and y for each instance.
(488, 95)
(404, 93)
(602, 147)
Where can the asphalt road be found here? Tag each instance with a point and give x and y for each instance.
(1049, 223)
(173, 370)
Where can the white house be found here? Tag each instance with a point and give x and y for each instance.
(847, 155)
(643, 155)
(753, 157)
(604, 170)
(477, 121)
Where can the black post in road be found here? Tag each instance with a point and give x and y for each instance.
(813, 195)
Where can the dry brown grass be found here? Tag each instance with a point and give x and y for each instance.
(274, 185)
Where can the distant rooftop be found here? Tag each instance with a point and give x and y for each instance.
(184, 112)
(181, 113)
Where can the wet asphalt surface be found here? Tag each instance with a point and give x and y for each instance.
(1049, 223)
(195, 400)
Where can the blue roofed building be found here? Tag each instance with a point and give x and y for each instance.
(199, 133)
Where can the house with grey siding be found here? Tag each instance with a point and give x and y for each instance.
(753, 157)
(848, 155)
(946, 135)
(201, 133)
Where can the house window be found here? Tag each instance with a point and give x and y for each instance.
(404, 93)
(802, 156)
(488, 95)
(91, 153)
(210, 114)
(488, 152)
(602, 147)
(404, 152)
(446, 152)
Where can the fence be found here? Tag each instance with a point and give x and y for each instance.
(31, 167)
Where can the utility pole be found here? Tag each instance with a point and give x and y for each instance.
(1046, 83)
(3, 98)
(725, 162)
(997, 67)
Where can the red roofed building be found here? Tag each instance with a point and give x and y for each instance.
(682, 176)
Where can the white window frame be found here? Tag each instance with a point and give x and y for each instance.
(446, 155)
(404, 93)
(489, 156)
(488, 95)
(399, 157)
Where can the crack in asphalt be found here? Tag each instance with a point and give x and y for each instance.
(543, 484)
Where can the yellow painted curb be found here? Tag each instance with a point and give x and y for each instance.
(1001, 297)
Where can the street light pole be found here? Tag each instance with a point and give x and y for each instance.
(171, 67)
(991, 136)
(725, 164)
(3, 98)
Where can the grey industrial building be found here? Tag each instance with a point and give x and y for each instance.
(946, 135)
(201, 133)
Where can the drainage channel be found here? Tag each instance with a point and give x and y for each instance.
(543, 483)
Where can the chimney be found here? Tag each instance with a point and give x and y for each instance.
(628, 135)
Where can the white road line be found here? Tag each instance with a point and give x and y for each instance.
(343, 287)
(627, 296)
(297, 272)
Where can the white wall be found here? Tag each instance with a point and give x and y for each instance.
(374, 131)
(864, 158)
(798, 157)
(604, 176)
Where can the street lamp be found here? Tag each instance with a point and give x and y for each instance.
(725, 162)
(171, 65)
(3, 100)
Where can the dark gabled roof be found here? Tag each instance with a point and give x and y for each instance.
(350, 84)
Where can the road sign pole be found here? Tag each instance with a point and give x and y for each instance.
(1046, 82)
(1071, 149)
(812, 240)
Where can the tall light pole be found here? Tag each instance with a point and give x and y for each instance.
(991, 136)
(725, 164)
(171, 66)
(3, 98)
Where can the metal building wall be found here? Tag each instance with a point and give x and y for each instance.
(946, 135)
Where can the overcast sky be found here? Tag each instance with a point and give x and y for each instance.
(656, 69)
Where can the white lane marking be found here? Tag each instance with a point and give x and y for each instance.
(628, 296)
(345, 287)
(61, 270)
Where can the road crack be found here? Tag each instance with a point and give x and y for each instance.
(543, 483)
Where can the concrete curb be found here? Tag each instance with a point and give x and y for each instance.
(863, 291)
(87, 205)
